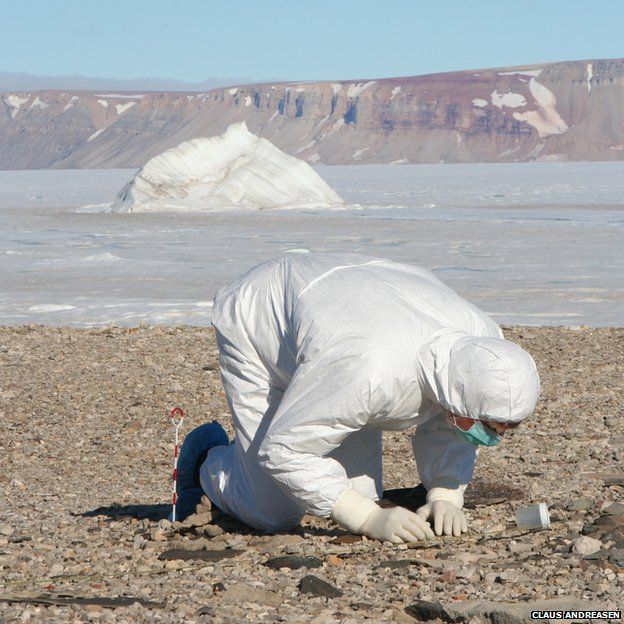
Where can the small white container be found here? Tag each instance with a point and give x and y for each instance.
(533, 517)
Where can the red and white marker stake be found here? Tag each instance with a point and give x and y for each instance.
(176, 416)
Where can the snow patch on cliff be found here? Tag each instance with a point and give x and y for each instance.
(546, 120)
(122, 108)
(72, 100)
(479, 102)
(312, 143)
(38, 103)
(128, 96)
(95, 135)
(356, 88)
(14, 102)
(522, 72)
(395, 92)
(590, 75)
(104, 103)
(335, 128)
(234, 170)
(509, 99)
(358, 153)
(336, 87)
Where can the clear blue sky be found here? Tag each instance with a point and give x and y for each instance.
(295, 40)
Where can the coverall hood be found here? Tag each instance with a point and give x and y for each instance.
(485, 378)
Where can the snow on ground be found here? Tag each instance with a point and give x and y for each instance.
(138, 96)
(14, 102)
(479, 102)
(96, 134)
(335, 128)
(38, 103)
(122, 108)
(358, 153)
(104, 103)
(72, 100)
(395, 91)
(522, 72)
(546, 120)
(234, 170)
(590, 75)
(509, 99)
(247, 100)
(356, 88)
(312, 143)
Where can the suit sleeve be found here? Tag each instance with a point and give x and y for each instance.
(443, 460)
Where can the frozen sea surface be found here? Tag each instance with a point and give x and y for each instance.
(530, 243)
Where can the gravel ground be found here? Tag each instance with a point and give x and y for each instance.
(87, 451)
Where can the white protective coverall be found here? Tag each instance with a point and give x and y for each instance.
(319, 354)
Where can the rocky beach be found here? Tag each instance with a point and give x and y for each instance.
(87, 450)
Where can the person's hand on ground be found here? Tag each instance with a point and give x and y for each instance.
(396, 525)
(447, 519)
(359, 514)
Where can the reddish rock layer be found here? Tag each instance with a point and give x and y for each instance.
(560, 111)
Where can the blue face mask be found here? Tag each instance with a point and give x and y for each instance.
(478, 434)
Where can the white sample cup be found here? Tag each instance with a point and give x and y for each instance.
(533, 517)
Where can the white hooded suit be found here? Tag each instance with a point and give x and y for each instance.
(320, 353)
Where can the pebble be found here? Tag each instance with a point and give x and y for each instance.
(580, 504)
(197, 519)
(311, 584)
(586, 545)
(56, 570)
(202, 555)
(518, 548)
(616, 509)
(293, 562)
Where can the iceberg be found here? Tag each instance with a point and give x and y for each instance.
(235, 170)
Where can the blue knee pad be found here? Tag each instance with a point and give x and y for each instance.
(192, 455)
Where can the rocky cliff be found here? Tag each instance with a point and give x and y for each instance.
(559, 111)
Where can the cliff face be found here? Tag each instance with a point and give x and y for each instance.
(561, 111)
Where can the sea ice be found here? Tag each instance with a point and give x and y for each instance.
(234, 170)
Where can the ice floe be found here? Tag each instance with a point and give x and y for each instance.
(234, 170)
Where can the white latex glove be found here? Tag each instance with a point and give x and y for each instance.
(444, 508)
(360, 514)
